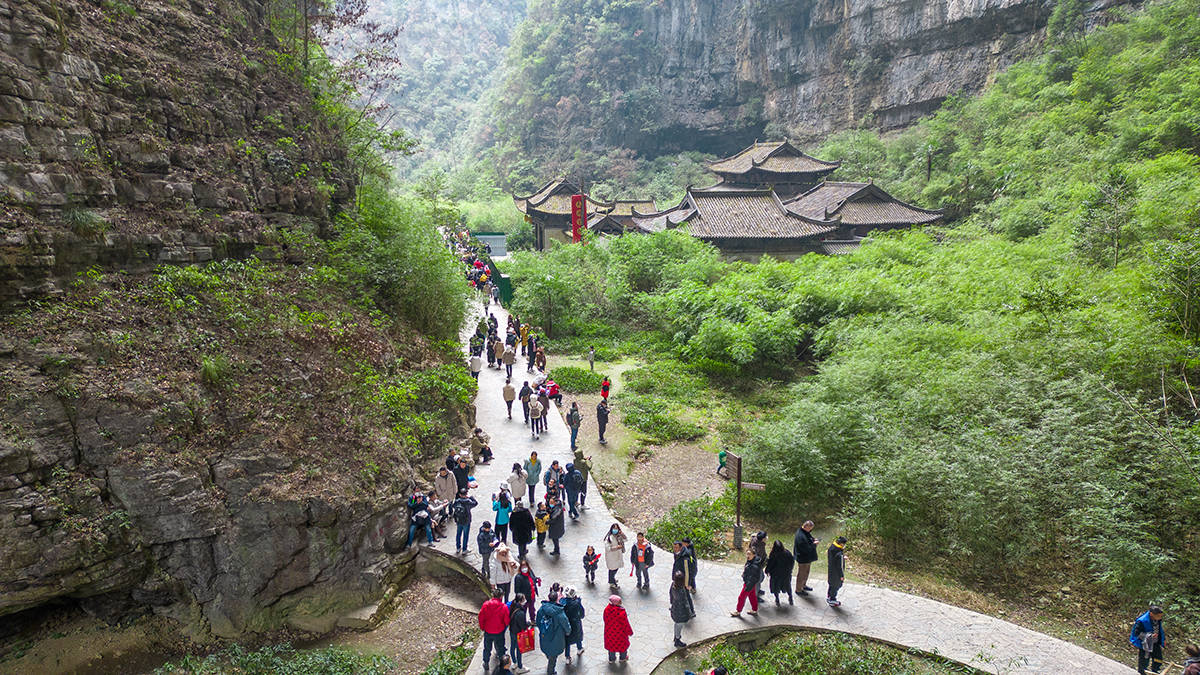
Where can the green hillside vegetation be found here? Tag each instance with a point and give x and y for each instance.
(1008, 399)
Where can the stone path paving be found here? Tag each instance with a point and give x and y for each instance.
(958, 634)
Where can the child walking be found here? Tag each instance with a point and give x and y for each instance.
(591, 561)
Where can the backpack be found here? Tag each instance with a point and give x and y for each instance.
(545, 623)
(577, 480)
(462, 514)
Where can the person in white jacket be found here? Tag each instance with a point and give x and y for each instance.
(614, 553)
(503, 569)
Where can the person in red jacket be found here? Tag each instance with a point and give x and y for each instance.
(616, 629)
(493, 621)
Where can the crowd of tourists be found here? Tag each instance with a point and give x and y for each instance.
(522, 610)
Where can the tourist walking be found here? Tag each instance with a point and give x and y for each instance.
(682, 610)
(572, 481)
(535, 417)
(836, 555)
(758, 543)
(503, 507)
(516, 481)
(614, 553)
(557, 522)
(517, 622)
(617, 630)
(1149, 637)
(751, 574)
(592, 359)
(445, 485)
(541, 523)
(573, 607)
(602, 419)
(574, 419)
(544, 399)
(584, 466)
(487, 541)
(476, 366)
(779, 570)
(510, 395)
(533, 473)
(680, 563)
(526, 583)
(605, 387)
(553, 628)
(591, 561)
(553, 476)
(524, 337)
(493, 621)
(460, 510)
(520, 521)
(526, 392)
(641, 556)
(504, 568)
(805, 548)
(539, 359)
(509, 357)
(691, 562)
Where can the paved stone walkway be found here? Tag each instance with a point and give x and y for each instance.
(955, 633)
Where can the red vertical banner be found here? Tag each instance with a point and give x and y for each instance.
(578, 217)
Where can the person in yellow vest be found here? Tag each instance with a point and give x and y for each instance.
(524, 337)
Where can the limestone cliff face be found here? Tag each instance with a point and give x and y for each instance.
(134, 133)
(729, 67)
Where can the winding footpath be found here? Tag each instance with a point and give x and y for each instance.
(958, 634)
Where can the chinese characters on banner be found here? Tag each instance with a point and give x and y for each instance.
(578, 217)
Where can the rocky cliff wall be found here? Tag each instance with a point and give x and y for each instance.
(137, 132)
(729, 67)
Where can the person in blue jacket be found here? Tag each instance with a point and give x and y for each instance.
(553, 626)
(1149, 637)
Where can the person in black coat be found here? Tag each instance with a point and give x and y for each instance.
(602, 419)
(558, 521)
(520, 524)
(517, 622)
(691, 562)
(805, 548)
(837, 570)
(779, 570)
(751, 575)
(682, 609)
(462, 474)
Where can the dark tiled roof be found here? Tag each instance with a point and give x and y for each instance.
(555, 198)
(625, 207)
(859, 204)
(840, 247)
(756, 214)
(779, 157)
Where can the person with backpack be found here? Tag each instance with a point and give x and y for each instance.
(557, 524)
(517, 622)
(614, 553)
(535, 418)
(573, 607)
(602, 419)
(526, 392)
(539, 359)
(574, 419)
(544, 399)
(1149, 637)
(758, 543)
(460, 510)
(805, 548)
(503, 507)
(553, 626)
(504, 568)
(779, 570)
(584, 466)
(510, 395)
(573, 482)
(751, 574)
(533, 473)
(837, 570)
(487, 542)
(520, 521)
(509, 357)
(541, 523)
(617, 630)
(641, 556)
(526, 583)
(682, 610)
(493, 621)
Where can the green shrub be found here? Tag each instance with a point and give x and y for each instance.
(704, 520)
(451, 661)
(667, 378)
(282, 659)
(215, 370)
(824, 654)
(84, 222)
(573, 380)
(657, 420)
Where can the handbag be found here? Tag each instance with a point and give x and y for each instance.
(525, 640)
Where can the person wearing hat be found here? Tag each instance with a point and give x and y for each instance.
(837, 570)
(504, 568)
(573, 607)
(617, 630)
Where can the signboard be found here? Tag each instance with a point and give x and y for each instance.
(754, 486)
(578, 217)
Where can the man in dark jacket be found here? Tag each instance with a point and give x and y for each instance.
(583, 465)
(681, 563)
(487, 541)
(517, 622)
(524, 395)
(462, 474)
(641, 556)
(602, 419)
(837, 570)
(419, 519)
(751, 574)
(805, 549)
(460, 510)
(691, 562)
(558, 523)
(520, 523)
(1149, 637)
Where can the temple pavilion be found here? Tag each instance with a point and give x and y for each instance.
(778, 166)
(549, 211)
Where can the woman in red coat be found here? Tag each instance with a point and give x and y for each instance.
(616, 629)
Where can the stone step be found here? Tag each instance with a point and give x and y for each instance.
(363, 618)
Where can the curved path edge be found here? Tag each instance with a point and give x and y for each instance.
(980, 641)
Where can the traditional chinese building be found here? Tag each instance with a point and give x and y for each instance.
(860, 208)
(549, 211)
(779, 166)
(619, 219)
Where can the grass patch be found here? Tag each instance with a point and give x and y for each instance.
(826, 654)
(85, 222)
(282, 659)
(574, 380)
(452, 661)
(215, 370)
(656, 419)
(703, 520)
(667, 378)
